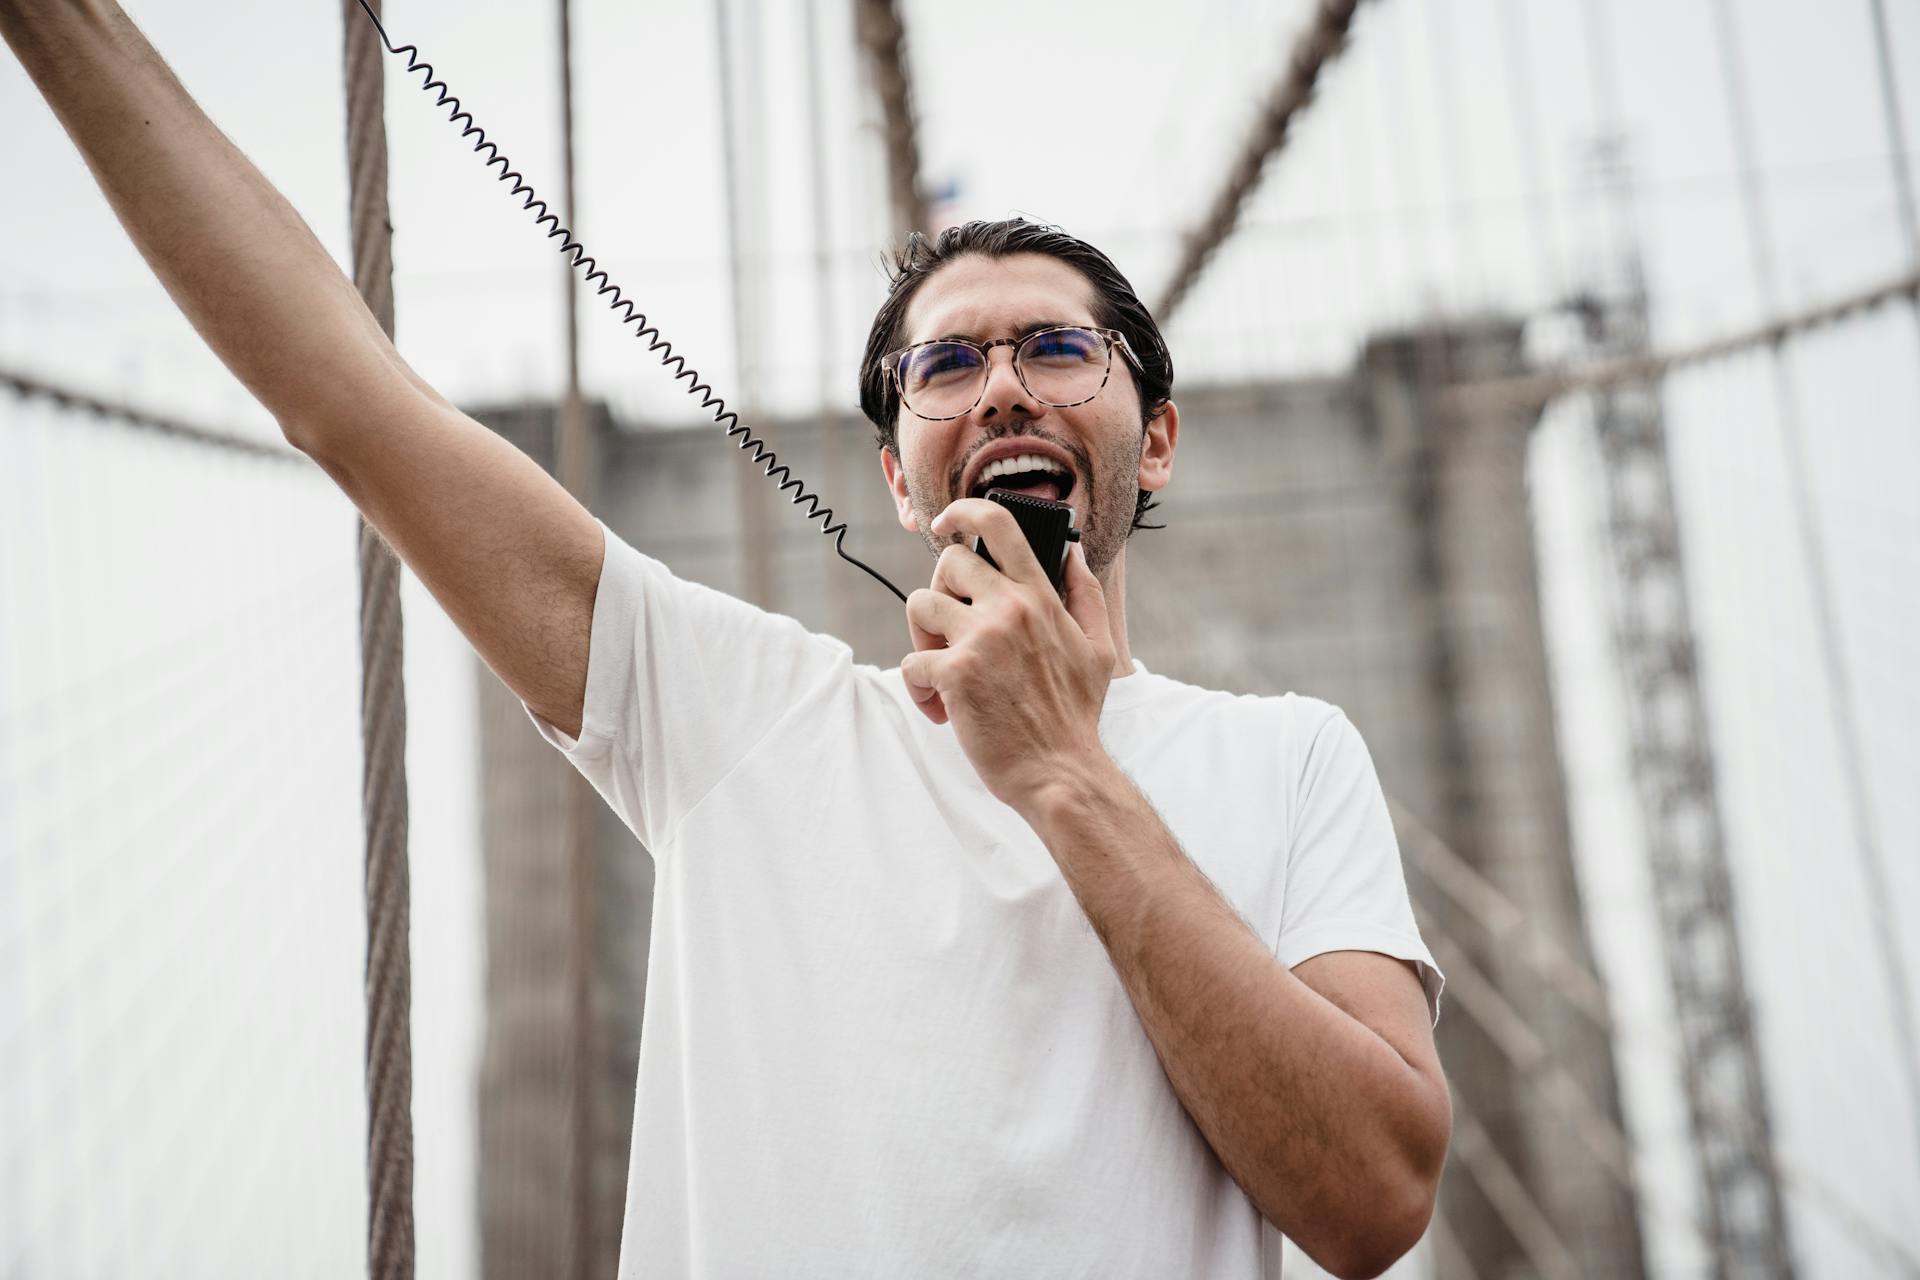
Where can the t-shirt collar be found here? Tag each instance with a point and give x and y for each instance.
(1129, 690)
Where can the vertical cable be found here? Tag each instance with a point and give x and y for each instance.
(1813, 550)
(839, 614)
(383, 718)
(1524, 103)
(883, 39)
(756, 584)
(573, 468)
(1897, 141)
(1461, 201)
(571, 449)
(1896, 134)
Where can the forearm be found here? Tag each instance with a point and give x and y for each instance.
(1316, 1117)
(235, 256)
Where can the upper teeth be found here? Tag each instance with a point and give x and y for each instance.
(1017, 463)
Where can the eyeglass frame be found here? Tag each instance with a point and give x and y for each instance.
(890, 365)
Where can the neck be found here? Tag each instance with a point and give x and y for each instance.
(1114, 585)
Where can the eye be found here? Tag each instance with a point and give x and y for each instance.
(939, 360)
(1064, 345)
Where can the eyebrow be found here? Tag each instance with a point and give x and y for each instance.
(1030, 327)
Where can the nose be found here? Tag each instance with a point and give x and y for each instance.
(1004, 393)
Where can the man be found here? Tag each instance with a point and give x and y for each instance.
(1018, 960)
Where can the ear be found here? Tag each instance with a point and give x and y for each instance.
(896, 475)
(1156, 451)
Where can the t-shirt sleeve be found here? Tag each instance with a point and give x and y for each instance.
(682, 683)
(1345, 890)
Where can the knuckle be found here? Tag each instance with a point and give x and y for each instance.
(925, 611)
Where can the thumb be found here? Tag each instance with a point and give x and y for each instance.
(1085, 598)
(920, 688)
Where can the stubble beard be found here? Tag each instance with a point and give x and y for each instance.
(1106, 518)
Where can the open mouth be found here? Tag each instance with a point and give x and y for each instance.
(1030, 473)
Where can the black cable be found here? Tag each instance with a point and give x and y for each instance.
(630, 314)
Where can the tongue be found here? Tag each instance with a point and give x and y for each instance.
(1032, 485)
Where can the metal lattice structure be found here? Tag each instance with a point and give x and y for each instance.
(1673, 771)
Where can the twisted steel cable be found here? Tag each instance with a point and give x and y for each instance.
(1530, 392)
(883, 39)
(31, 387)
(1321, 42)
(383, 723)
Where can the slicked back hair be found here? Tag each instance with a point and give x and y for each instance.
(1115, 306)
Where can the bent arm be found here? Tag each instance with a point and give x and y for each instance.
(1318, 1088)
(509, 554)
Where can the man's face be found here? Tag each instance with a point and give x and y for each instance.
(1099, 444)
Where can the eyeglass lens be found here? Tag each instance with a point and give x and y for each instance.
(1060, 367)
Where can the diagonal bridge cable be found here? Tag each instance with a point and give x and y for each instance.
(1479, 996)
(1530, 392)
(1322, 40)
(33, 387)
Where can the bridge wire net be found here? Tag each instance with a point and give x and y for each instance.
(1567, 975)
(179, 1020)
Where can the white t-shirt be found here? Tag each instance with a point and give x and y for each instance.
(882, 1038)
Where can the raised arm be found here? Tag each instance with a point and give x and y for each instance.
(513, 559)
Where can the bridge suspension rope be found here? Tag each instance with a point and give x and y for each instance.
(383, 718)
(1322, 40)
(30, 386)
(1529, 392)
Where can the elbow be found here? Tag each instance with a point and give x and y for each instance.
(1383, 1246)
(1397, 1210)
(1382, 1240)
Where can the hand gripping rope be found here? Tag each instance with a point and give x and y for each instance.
(617, 302)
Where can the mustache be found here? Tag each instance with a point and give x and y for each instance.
(1081, 461)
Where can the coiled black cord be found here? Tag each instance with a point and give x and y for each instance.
(778, 472)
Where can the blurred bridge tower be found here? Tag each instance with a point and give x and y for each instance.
(530, 1174)
(1485, 775)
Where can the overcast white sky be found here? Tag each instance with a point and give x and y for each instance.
(1440, 170)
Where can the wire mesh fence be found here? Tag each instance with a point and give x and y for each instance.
(180, 995)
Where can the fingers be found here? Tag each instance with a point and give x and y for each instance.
(935, 619)
(976, 517)
(962, 575)
(916, 674)
(1085, 598)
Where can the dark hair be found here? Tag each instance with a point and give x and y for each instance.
(1116, 306)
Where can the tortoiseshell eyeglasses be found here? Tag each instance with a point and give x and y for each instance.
(1063, 366)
